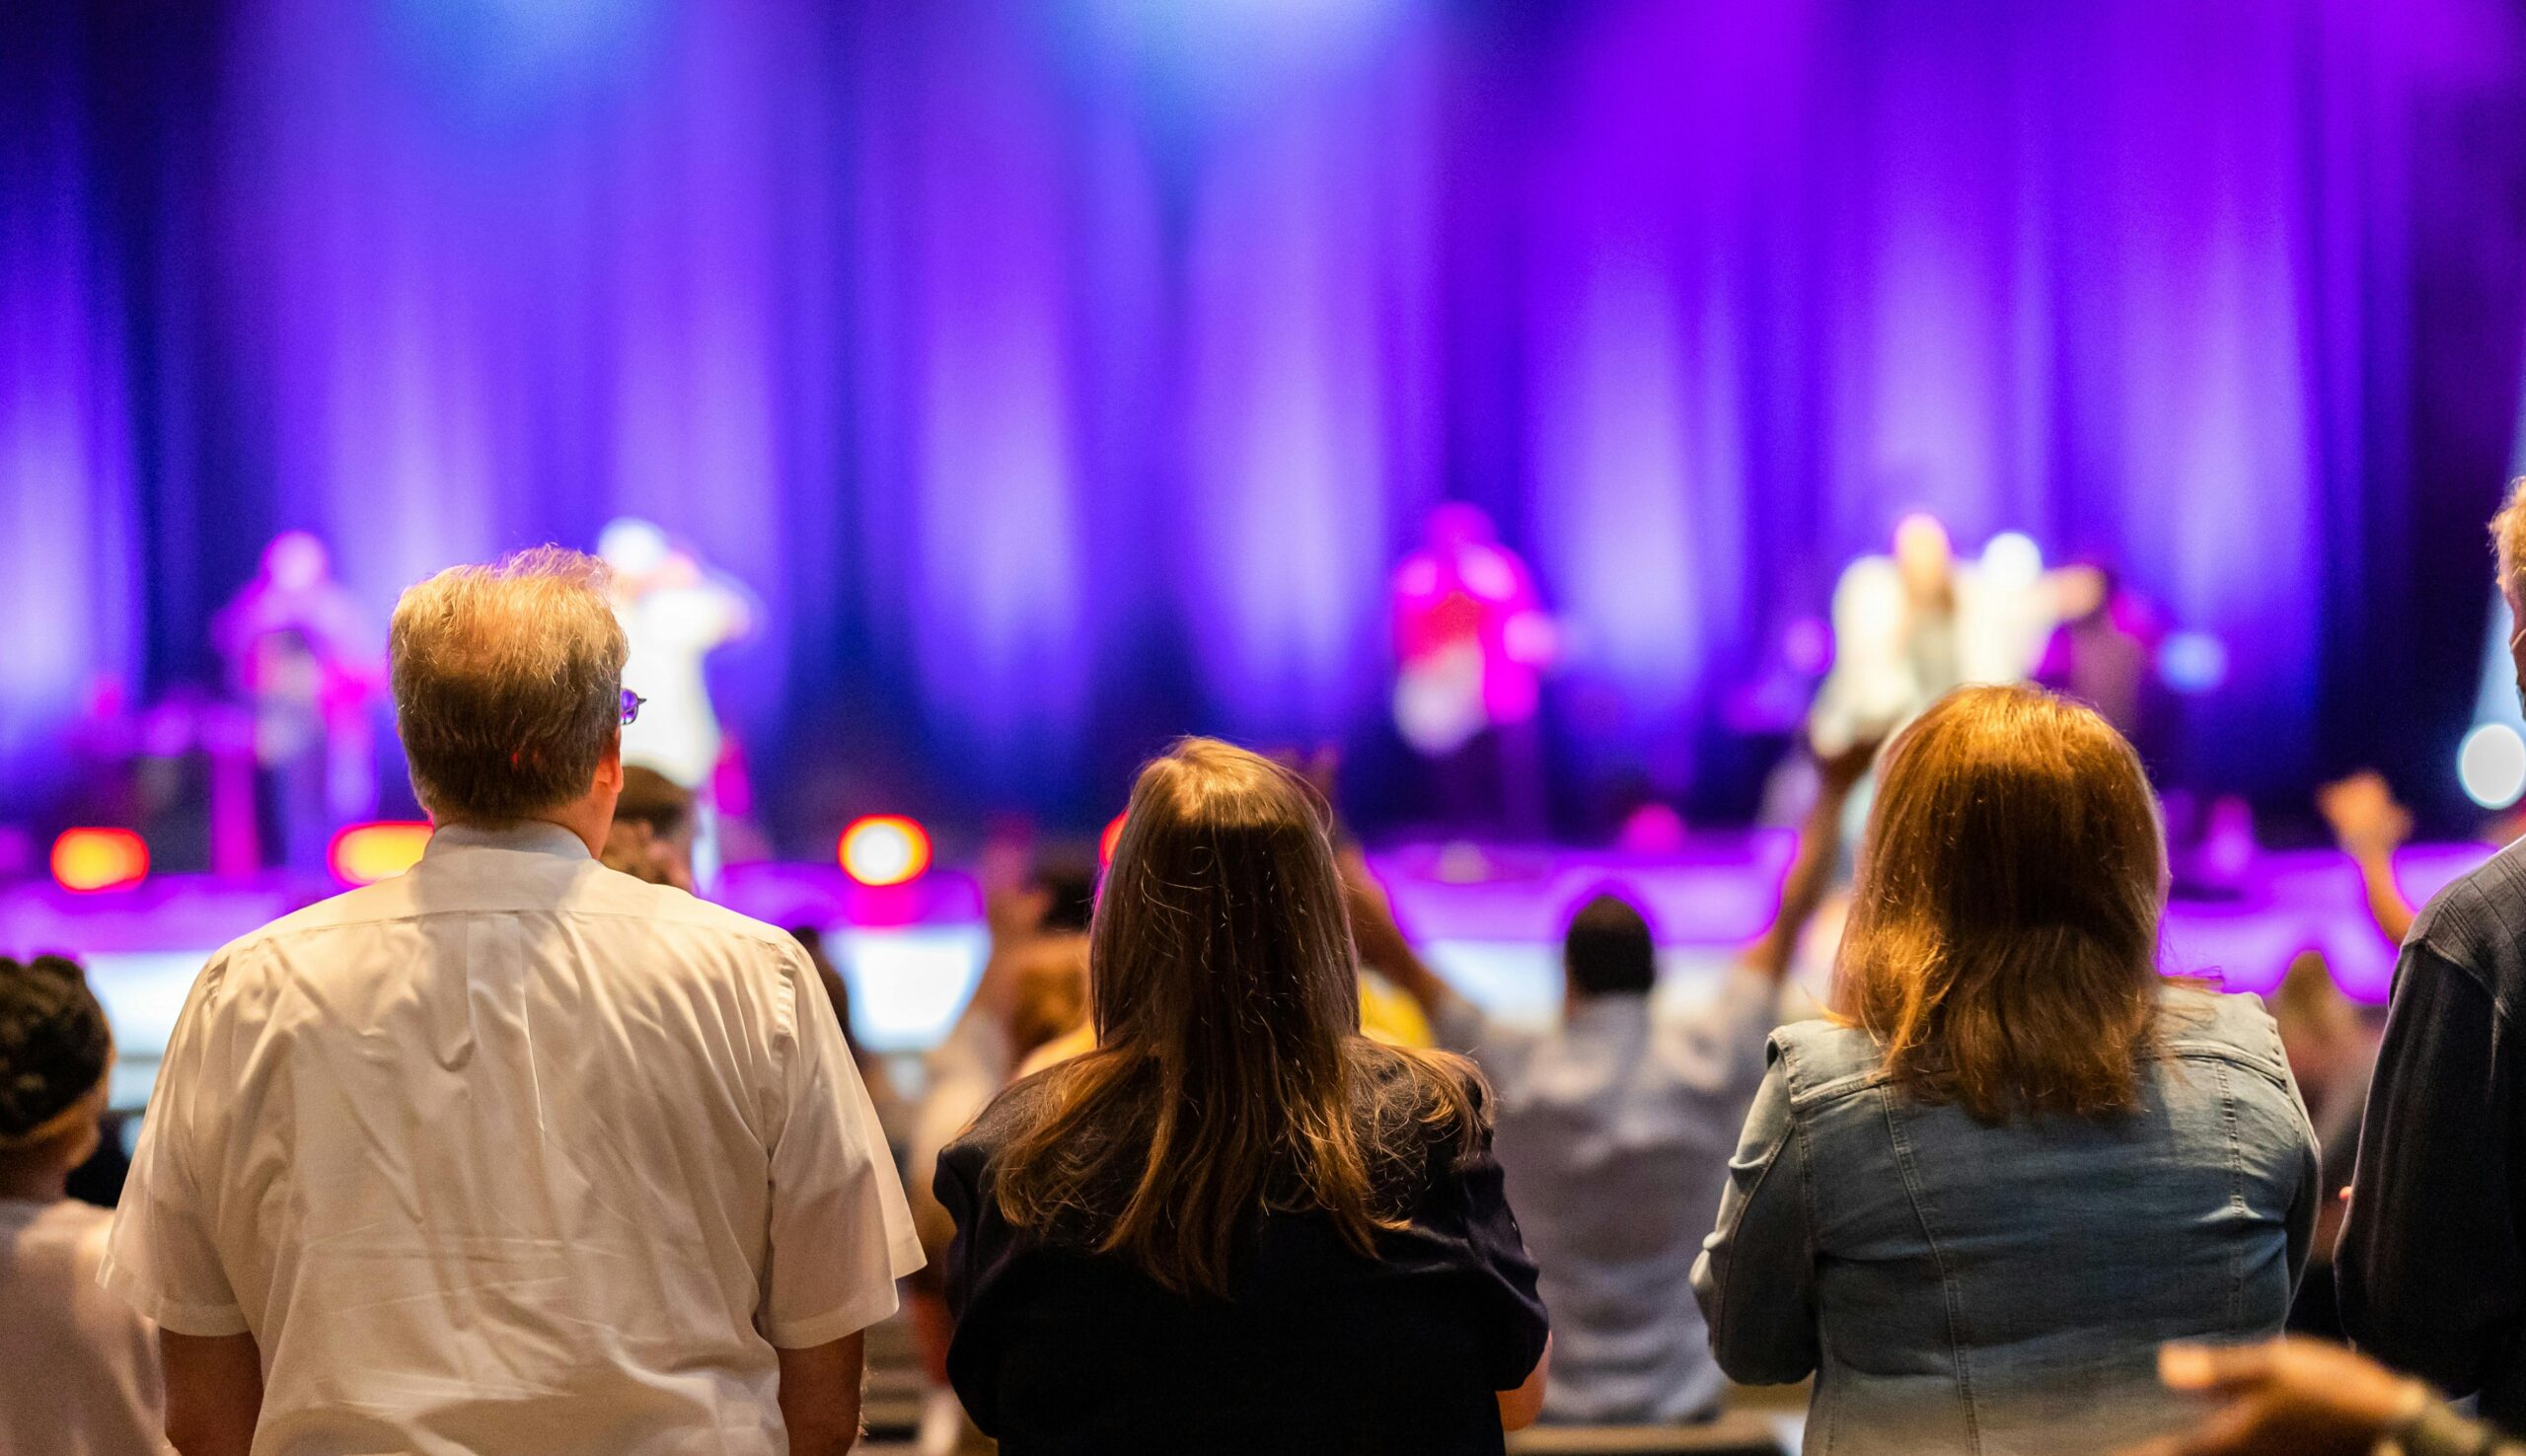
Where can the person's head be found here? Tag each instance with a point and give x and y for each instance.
(1459, 525)
(2002, 937)
(56, 1049)
(1924, 555)
(2509, 544)
(1226, 999)
(1067, 879)
(508, 691)
(651, 838)
(296, 561)
(633, 550)
(2320, 1029)
(1051, 999)
(1608, 951)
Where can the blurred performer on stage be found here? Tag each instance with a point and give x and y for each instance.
(1471, 642)
(1911, 627)
(309, 663)
(2105, 653)
(674, 614)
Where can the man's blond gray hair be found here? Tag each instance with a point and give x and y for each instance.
(2508, 541)
(508, 684)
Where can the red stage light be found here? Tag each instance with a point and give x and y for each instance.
(884, 849)
(1113, 835)
(91, 859)
(365, 853)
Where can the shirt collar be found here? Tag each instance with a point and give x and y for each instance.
(529, 837)
(1605, 1011)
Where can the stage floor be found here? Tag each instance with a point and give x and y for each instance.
(1489, 918)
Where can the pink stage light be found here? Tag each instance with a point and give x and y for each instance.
(365, 853)
(88, 860)
(1113, 835)
(884, 849)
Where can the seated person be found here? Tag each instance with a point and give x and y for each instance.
(1615, 1129)
(1238, 1225)
(82, 1369)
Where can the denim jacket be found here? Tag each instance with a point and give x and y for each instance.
(1960, 1286)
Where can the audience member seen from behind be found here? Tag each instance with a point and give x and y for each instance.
(2332, 1052)
(1238, 1225)
(651, 836)
(2301, 1397)
(1033, 994)
(2431, 1268)
(511, 1154)
(82, 1371)
(1615, 1129)
(1974, 1202)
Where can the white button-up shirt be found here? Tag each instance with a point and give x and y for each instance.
(513, 1153)
(1615, 1129)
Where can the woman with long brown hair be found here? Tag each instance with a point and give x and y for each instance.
(1974, 1201)
(1237, 1225)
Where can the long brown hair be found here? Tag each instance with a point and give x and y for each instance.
(1229, 1075)
(2002, 939)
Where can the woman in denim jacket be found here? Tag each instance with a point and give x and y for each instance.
(2015, 1162)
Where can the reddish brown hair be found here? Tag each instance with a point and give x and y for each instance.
(2002, 939)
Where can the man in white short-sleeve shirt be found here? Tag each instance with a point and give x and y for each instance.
(511, 1154)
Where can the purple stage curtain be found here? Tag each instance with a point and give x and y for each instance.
(1066, 374)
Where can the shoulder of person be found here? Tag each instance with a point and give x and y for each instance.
(1016, 1108)
(2478, 924)
(1412, 1083)
(2235, 1026)
(1821, 1057)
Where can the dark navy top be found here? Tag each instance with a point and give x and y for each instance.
(1316, 1347)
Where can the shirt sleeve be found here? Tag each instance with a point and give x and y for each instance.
(1499, 1049)
(841, 1233)
(1720, 1045)
(1472, 1218)
(2427, 1267)
(1755, 1280)
(163, 1257)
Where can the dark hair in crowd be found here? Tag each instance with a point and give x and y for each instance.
(54, 1047)
(1608, 951)
(651, 798)
(1229, 1075)
(2002, 940)
(1068, 879)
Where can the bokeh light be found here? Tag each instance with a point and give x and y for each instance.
(2491, 764)
(86, 860)
(885, 850)
(365, 853)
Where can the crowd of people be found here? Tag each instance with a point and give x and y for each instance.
(530, 1150)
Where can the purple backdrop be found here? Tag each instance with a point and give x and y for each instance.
(1066, 373)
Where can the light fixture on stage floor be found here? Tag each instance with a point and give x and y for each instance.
(365, 853)
(86, 860)
(884, 849)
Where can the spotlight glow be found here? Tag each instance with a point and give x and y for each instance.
(2491, 764)
(1113, 835)
(2193, 662)
(87, 861)
(885, 850)
(365, 853)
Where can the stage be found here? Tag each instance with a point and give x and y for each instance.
(1488, 916)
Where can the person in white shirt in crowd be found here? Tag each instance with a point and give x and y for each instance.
(1615, 1127)
(512, 1153)
(82, 1376)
